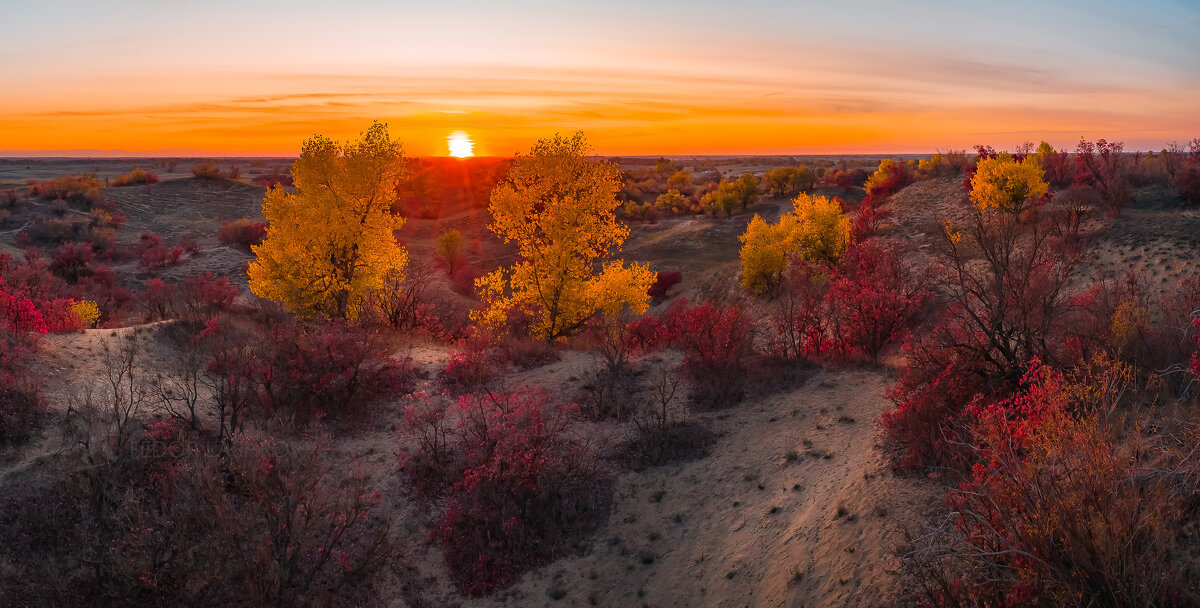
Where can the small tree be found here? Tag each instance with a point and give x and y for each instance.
(816, 230)
(450, 251)
(722, 200)
(672, 201)
(1005, 183)
(333, 239)
(558, 206)
(888, 179)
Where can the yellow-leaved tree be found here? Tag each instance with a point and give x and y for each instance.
(332, 240)
(557, 206)
(815, 230)
(1004, 183)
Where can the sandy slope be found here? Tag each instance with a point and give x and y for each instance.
(794, 507)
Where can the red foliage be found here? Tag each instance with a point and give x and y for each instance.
(189, 243)
(159, 299)
(1105, 167)
(242, 232)
(329, 370)
(846, 179)
(663, 282)
(137, 176)
(153, 254)
(202, 296)
(525, 487)
(1187, 182)
(802, 319)
(469, 369)
(935, 386)
(19, 315)
(717, 342)
(982, 152)
(101, 286)
(21, 405)
(898, 176)
(873, 299)
(463, 280)
(71, 261)
(1060, 171)
(1053, 509)
(27, 308)
(870, 217)
(1006, 286)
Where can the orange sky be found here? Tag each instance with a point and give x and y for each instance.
(637, 79)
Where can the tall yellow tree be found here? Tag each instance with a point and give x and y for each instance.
(557, 206)
(332, 240)
(1004, 183)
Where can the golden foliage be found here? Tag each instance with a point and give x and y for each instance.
(816, 230)
(881, 174)
(332, 241)
(557, 206)
(87, 311)
(672, 201)
(1006, 184)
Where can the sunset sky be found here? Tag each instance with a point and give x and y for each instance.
(698, 77)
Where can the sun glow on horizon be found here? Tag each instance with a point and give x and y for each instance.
(460, 144)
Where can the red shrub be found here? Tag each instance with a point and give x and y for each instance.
(159, 299)
(1005, 281)
(1187, 182)
(801, 321)
(83, 190)
(463, 280)
(137, 176)
(153, 254)
(19, 315)
(526, 487)
(871, 215)
(1060, 171)
(189, 243)
(717, 342)
(329, 370)
(71, 261)
(21, 404)
(101, 286)
(202, 296)
(207, 170)
(873, 299)
(936, 384)
(663, 282)
(242, 233)
(1054, 513)
(470, 369)
(275, 179)
(898, 176)
(1105, 167)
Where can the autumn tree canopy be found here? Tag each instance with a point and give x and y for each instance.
(816, 230)
(557, 205)
(332, 240)
(1004, 183)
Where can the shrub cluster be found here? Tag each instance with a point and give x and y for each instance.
(519, 484)
(137, 176)
(243, 232)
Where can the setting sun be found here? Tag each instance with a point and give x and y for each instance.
(460, 144)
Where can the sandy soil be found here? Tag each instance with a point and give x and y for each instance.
(794, 507)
